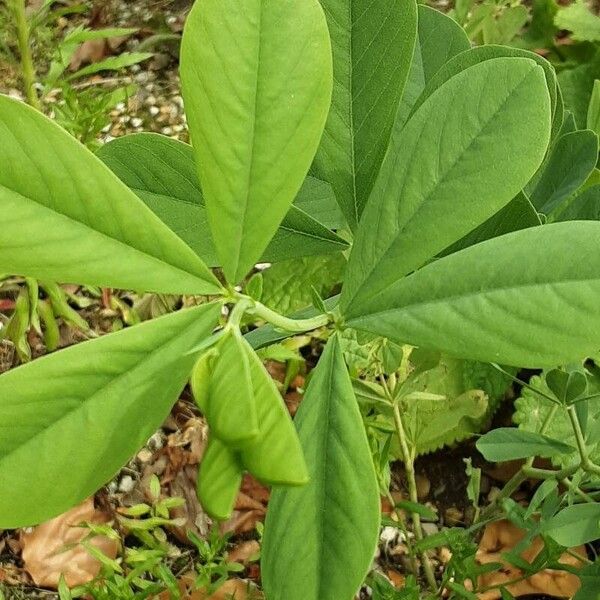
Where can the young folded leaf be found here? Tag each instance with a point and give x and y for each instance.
(372, 48)
(67, 218)
(228, 404)
(447, 171)
(162, 172)
(275, 455)
(71, 419)
(477, 304)
(219, 479)
(257, 80)
(320, 539)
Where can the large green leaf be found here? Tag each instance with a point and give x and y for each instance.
(577, 85)
(473, 56)
(66, 217)
(372, 44)
(70, 420)
(320, 539)
(162, 172)
(528, 298)
(256, 79)
(568, 166)
(439, 38)
(450, 169)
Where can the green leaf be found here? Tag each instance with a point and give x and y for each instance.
(570, 163)
(228, 404)
(593, 114)
(590, 583)
(574, 525)
(112, 63)
(71, 419)
(219, 479)
(479, 54)
(256, 79)
(162, 172)
(372, 46)
(585, 206)
(577, 85)
(518, 214)
(287, 285)
(577, 18)
(508, 443)
(439, 38)
(441, 155)
(475, 304)
(275, 455)
(320, 539)
(67, 218)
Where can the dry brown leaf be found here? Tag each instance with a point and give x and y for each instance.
(233, 588)
(250, 507)
(502, 536)
(43, 546)
(398, 580)
(244, 552)
(93, 51)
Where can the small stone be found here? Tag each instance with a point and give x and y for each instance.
(135, 68)
(151, 101)
(430, 528)
(453, 516)
(136, 122)
(144, 455)
(167, 131)
(388, 535)
(154, 110)
(423, 486)
(156, 442)
(126, 484)
(120, 107)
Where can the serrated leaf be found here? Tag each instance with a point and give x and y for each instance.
(439, 38)
(76, 416)
(508, 443)
(257, 80)
(162, 172)
(577, 18)
(574, 525)
(67, 218)
(570, 163)
(287, 285)
(372, 43)
(441, 155)
(319, 539)
(474, 304)
(219, 479)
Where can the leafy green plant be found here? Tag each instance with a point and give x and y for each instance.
(422, 175)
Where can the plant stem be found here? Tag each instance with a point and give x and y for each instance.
(281, 322)
(404, 530)
(27, 68)
(586, 463)
(409, 467)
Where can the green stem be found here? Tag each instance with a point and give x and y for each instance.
(549, 473)
(404, 530)
(281, 322)
(577, 490)
(409, 467)
(24, 41)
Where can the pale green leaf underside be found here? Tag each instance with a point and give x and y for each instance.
(447, 171)
(320, 538)
(528, 298)
(66, 217)
(256, 78)
(162, 172)
(70, 420)
(574, 525)
(372, 43)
